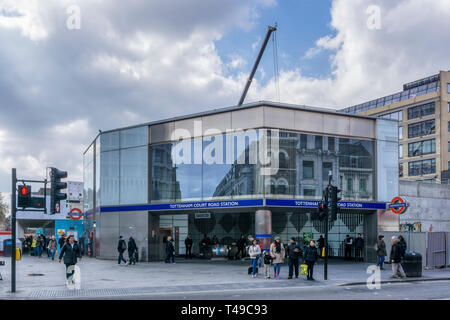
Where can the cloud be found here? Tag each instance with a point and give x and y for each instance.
(148, 60)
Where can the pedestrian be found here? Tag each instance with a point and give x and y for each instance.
(267, 263)
(188, 245)
(34, 247)
(396, 258)
(241, 244)
(260, 255)
(170, 250)
(47, 242)
(348, 243)
(294, 253)
(254, 251)
(402, 243)
(321, 242)
(311, 258)
(204, 246)
(215, 240)
(51, 248)
(381, 251)
(121, 247)
(278, 253)
(61, 242)
(359, 247)
(132, 250)
(70, 251)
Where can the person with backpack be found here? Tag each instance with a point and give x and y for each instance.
(311, 258)
(402, 244)
(170, 250)
(121, 247)
(254, 251)
(294, 253)
(278, 253)
(132, 250)
(52, 247)
(396, 259)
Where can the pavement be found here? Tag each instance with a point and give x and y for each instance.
(196, 279)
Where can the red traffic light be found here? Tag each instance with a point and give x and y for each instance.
(24, 191)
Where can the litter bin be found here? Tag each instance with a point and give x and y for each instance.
(412, 264)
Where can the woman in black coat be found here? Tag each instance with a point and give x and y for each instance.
(310, 257)
(132, 250)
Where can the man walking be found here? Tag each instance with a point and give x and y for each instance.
(396, 258)
(70, 251)
(121, 247)
(52, 247)
(359, 247)
(381, 251)
(132, 250)
(188, 245)
(170, 250)
(294, 253)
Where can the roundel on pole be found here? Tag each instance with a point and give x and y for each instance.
(398, 205)
(77, 215)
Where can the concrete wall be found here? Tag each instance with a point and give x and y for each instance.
(429, 204)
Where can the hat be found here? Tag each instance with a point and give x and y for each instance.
(277, 238)
(293, 238)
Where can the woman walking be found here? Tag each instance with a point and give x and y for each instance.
(254, 251)
(311, 258)
(277, 252)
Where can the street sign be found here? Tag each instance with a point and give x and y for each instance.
(398, 205)
(75, 216)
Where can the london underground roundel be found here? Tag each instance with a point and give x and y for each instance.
(77, 215)
(398, 205)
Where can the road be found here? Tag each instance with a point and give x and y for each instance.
(428, 290)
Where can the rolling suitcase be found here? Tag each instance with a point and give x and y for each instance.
(250, 270)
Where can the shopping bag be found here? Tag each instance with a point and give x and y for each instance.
(304, 269)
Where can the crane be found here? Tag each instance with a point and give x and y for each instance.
(255, 66)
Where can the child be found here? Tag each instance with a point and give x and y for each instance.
(267, 262)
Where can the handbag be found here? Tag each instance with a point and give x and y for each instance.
(304, 269)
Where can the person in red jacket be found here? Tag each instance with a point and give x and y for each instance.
(260, 256)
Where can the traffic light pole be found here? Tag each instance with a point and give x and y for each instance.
(13, 229)
(325, 265)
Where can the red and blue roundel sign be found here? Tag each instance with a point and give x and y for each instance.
(77, 215)
(398, 205)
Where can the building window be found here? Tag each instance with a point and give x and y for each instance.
(326, 168)
(394, 115)
(308, 169)
(449, 126)
(349, 185)
(362, 185)
(448, 166)
(421, 147)
(400, 170)
(416, 168)
(448, 87)
(421, 128)
(400, 151)
(448, 146)
(332, 143)
(448, 106)
(309, 192)
(400, 132)
(319, 142)
(421, 111)
(303, 141)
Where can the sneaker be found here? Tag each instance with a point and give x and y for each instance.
(289, 277)
(274, 275)
(253, 275)
(394, 276)
(174, 263)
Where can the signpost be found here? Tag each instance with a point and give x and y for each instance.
(75, 216)
(398, 205)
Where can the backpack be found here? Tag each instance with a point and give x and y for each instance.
(123, 246)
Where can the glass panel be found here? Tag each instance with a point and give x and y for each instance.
(88, 179)
(134, 175)
(134, 137)
(109, 180)
(109, 141)
(308, 169)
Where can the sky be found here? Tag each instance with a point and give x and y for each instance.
(71, 68)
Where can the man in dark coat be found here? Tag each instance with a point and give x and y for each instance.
(396, 258)
(70, 251)
(321, 242)
(359, 247)
(61, 242)
(188, 245)
(121, 247)
(170, 250)
(402, 244)
(294, 253)
(132, 250)
(241, 244)
(348, 243)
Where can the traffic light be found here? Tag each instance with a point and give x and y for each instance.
(56, 186)
(24, 196)
(334, 202)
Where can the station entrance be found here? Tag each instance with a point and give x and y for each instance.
(224, 228)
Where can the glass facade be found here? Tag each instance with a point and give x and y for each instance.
(421, 111)
(229, 167)
(88, 178)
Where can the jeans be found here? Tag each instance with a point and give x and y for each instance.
(36, 251)
(380, 261)
(254, 265)
(276, 268)
(52, 254)
(358, 254)
(121, 258)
